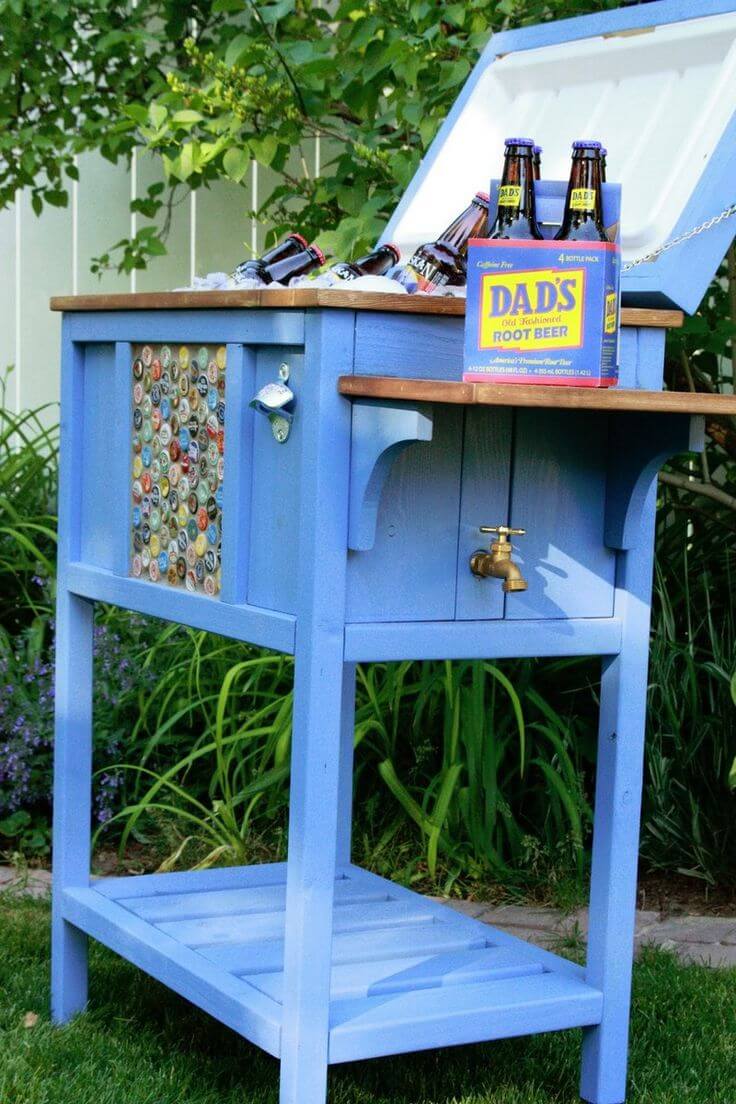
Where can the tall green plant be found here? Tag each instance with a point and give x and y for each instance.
(28, 464)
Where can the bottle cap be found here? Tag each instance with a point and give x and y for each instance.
(519, 142)
(483, 197)
(538, 149)
(394, 249)
(298, 237)
(317, 252)
(586, 144)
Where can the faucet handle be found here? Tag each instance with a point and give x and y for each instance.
(502, 530)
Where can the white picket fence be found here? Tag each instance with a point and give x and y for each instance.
(50, 255)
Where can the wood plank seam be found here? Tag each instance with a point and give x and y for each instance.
(302, 298)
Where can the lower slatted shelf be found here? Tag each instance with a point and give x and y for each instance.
(408, 973)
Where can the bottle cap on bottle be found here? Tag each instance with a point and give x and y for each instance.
(394, 249)
(317, 253)
(585, 143)
(538, 149)
(519, 142)
(483, 197)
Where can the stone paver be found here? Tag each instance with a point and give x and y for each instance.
(706, 940)
(32, 883)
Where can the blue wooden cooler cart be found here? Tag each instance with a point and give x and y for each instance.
(336, 519)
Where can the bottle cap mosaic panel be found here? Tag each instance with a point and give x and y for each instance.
(178, 463)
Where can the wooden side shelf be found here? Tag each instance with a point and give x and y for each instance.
(302, 298)
(540, 395)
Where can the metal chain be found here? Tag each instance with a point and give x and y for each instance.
(707, 225)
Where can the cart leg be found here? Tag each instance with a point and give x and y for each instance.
(313, 834)
(72, 798)
(345, 782)
(319, 768)
(616, 830)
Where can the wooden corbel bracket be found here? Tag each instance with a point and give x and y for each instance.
(639, 443)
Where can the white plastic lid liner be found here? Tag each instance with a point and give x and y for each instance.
(659, 100)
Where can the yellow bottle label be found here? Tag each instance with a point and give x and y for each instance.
(611, 313)
(542, 309)
(509, 195)
(582, 199)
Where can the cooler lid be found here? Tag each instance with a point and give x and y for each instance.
(656, 84)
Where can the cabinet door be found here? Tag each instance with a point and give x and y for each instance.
(484, 501)
(558, 491)
(409, 573)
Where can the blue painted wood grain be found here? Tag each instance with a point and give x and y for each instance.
(227, 998)
(616, 829)
(381, 430)
(73, 710)
(267, 628)
(558, 496)
(417, 346)
(345, 767)
(482, 639)
(486, 487)
(318, 695)
(116, 423)
(100, 498)
(131, 886)
(238, 471)
(416, 534)
(190, 327)
(425, 1018)
(276, 490)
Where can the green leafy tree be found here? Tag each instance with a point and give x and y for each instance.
(212, 84)
(373, 81)
(67, 69)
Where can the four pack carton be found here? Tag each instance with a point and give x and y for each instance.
(545, 311)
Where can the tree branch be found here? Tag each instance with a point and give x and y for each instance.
(693, 486)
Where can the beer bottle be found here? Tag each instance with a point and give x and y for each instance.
(375, 263)
(517, 211)
(256, 266)
(297, 265)
(537, 160)
(583, 216)
(604, 156)
(440, 263)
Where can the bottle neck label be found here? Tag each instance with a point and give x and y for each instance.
(509, 195)
(582, 199)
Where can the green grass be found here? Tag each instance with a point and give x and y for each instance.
(142, 1045)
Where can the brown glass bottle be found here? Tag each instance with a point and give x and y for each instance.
(537, 162)
(255, 267)
(583, 216)
(299, 265)
(516, 216)
(375, 263)
(442, 262)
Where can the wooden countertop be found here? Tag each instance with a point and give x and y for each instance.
(540, 395)
(301, 298)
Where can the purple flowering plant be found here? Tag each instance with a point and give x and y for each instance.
(27, 720)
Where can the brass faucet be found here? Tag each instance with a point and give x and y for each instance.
(497, 563)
